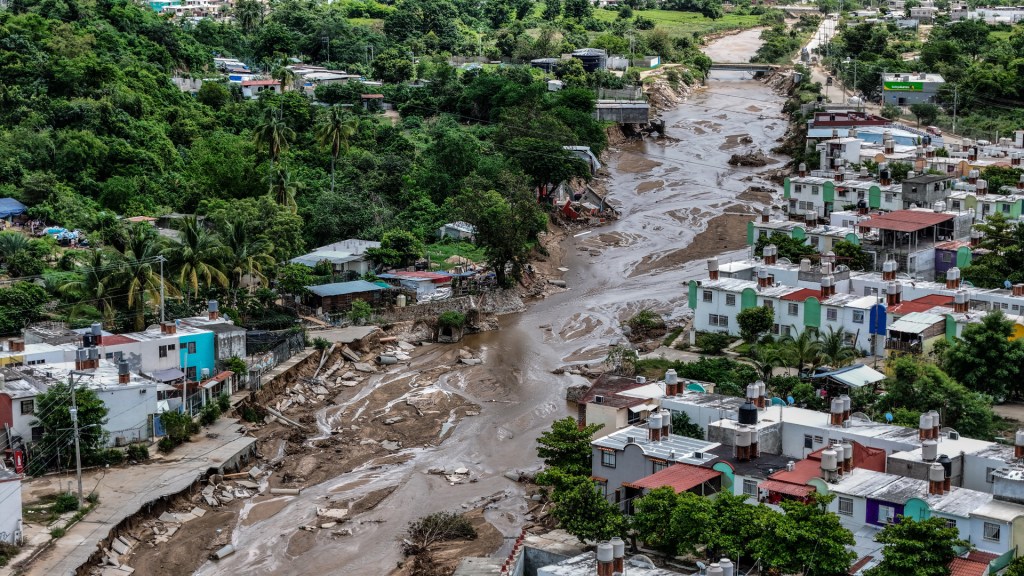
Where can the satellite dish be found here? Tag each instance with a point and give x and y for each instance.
(888, 417)
(790, 400)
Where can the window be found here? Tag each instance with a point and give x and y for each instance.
(814, 241)
(950, 523)
(831, 314)
(808, 441)
(886, 514)
(770, 304)
(775, 329)
(28, 406)
(946, 257)
(37, 433)
(956, 205)
(848, 339)
(109, 355)
(163, 352)
(846, 506)
(608, 459)
(819, 439)
(814, 190)
(191, 373)
(1005, 208)
(730, 299)
(170, 346)
(191, 348)
(889, 196)
(785, 330)
(992, 531)
(858, 316)
(659, 465)
(34, 362)
(750, 488)
(793, 309)
(719, 320)
(989, 476)
(707, 295)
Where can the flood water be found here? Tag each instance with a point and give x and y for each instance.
(669, 191)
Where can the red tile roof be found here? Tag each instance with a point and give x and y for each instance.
(801, 295)
(117, 340)
(679, 477)
(260, 83)
(905, 220)
(372, 96)
(965, 567)
(860, 564)
(979, 556)
(803, 471)
(786, 488)
(922, 304)
(952, 245)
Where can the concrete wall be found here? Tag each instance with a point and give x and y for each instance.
(10, 413)
(612, 418)
(497, 302)
(230, 344)
(10, 506)
(699, 415)
(202, 358)
(858, 518)
(630, 465)
(919, 469)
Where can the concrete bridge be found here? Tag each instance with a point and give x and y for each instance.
(743, 67)
(623, 111)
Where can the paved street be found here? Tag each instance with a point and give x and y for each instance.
(123, 492)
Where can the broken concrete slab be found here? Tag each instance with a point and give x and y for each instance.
(406, 346)
(255, 472)
(120, 547)
(462, 471)
(198, 512)
(393, 420)
(364, 367)
(332, 513)
(247, 484)
(471, 361)
(349, 354)
(328, 525)
(390, 445)
(169, 518)
(349, 383)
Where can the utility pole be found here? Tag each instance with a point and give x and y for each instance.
(78, 451)
(955, 89)
(161, 289)
(327, 42)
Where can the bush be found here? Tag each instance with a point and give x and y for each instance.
(166, 444)
(7, 551)
(224, 402)
(451, 319)
(93, 498)
(66, 502)
(58, 533)
(251, 414)
(138, 452)
(209, 414)
(178, 426)
(713, 342)
(360, 312)
(438, 527)
(321, 343)
(110, 457)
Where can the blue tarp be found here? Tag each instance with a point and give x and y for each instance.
(11, 207)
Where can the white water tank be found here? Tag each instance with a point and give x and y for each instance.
(929, 450)
(605, 552)
(829, 460)
(743, 437)
(654, 421)
(936, 473)
(671, 377)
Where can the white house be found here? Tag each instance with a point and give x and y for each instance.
(10, 506)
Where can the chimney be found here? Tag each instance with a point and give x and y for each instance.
(123, 375)
(953, 278)
(712, 268)
(671, 382)
(770, 253)
(618, 555)
(976, 236)
(847, 456)
(828, 287)
(1018, 290)
(97, 334)
(935, 424)
(1018, 444)
(924, 431)
(936, 479)
(212, 308)
(802, 170)
(889, 270)
(893, 293)
(961, 301)
(605, 559)
(836, 412)
(762, 277)
(972, 177)
(17, 345)
(654, 426)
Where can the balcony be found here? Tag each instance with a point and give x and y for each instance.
(907, 346)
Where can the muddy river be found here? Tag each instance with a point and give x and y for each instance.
(681, 202)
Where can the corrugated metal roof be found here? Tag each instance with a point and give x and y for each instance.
(679, 477)
(916, 322)
(786, 488)
(906, 220)
(342, 288)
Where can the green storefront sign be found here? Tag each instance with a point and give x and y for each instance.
(904, 86)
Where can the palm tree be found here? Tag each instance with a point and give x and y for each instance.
(273, 134)
(249, 14)
(765, 359)
(197, 257)
(284, 189)
(246, 254)
(834, 350)
(12, 243)
(802, 350)
(91, 287)
(137, 273)
(284, 75)
(335, 132)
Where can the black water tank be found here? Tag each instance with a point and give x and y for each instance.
(748, 414)
(947, 464)
(591, 58)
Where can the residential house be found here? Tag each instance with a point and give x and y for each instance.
(18, 393)
(11, 530)
(339, 296)
(616, 402)
(629, 454)
(681, 478)
(925, 190)
(812, 198)
(584, 153)
(457, 230)
(955, 254)
(347, 257)
(425, 284)
(904, 89)
(253, 88)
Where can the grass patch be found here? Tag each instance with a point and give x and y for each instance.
(670, 338)
(999, 34)
(444, 250)
(371, 22)
(7, 551)
(686, 23)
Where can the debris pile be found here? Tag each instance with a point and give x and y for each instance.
(756, 158)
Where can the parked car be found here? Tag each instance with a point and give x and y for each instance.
(934, 130)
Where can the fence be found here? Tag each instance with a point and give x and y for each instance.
(261, 363)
